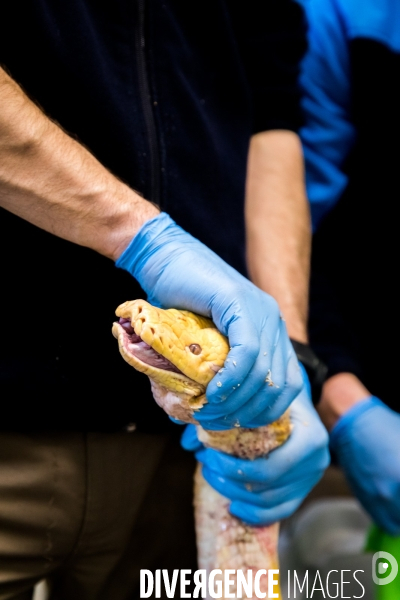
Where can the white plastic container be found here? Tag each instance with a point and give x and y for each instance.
(328, 535)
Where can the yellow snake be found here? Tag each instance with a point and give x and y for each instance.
(181, 352)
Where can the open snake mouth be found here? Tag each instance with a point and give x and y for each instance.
(136, 347)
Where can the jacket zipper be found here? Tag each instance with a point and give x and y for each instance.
(144, 90)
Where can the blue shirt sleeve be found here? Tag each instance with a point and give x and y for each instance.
(328, 134)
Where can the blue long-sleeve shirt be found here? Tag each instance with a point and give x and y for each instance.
(328, 77)
(352, 97)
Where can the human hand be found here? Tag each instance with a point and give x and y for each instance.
(366, 441)
(261, 375)
(269, 489)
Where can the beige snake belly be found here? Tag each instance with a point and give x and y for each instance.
(189, 351)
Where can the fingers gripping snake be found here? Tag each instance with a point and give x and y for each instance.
(181, 352)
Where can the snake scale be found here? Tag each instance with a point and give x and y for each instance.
(181, 352)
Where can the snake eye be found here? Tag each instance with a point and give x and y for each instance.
(195, 348)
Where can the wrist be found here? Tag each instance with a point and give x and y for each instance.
(346, 424)
(296, 327)
(339, 394)
(120, 213)
(136, 212)
(147, 240)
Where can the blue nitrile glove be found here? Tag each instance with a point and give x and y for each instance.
(269, 489)
(366, 441)
(261, 376)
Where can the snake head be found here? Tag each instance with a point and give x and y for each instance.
(178, 350)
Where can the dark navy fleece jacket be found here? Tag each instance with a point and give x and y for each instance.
(166, 94)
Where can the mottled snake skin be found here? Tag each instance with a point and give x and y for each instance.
(223, 541)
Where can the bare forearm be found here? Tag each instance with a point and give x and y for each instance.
(52, 181)
(339, 394)
(278, 225)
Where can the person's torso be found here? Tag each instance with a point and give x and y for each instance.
(156, 91)
(358, 240)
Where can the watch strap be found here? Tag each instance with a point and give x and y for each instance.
(316, 369)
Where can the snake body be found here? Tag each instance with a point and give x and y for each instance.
(181, 352)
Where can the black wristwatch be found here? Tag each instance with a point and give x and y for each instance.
(316, 369)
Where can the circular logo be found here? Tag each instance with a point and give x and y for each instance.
(379, 569)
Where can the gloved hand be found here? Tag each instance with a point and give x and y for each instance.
(269, 489)
(261, 375)
(366, 441)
